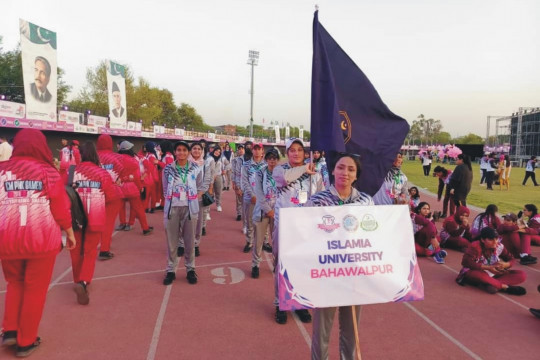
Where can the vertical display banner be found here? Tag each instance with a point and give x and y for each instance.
(287, 132)
(39, 67)
(346, 255)
(116, 92)
(278, 136)
(301, 133)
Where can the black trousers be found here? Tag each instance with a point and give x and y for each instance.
(530, 174)
(427, 169)
(490, 175)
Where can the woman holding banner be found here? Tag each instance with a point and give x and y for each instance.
(341, 192)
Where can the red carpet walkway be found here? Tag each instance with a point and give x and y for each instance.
(229, 315)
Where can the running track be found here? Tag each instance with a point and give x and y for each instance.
(229, 315)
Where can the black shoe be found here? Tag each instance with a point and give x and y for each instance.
(153, 210)
(238, 217)
(267, 247)
(24, 351)
(121, 227)
(527, 260)
(127, 227)
(515, 290)
(197, 252)
(149, 231)
(146, 211)
(180, 251)
(160, 207)
(9, 338)
(191, 277)
(203, 233)
(281, 316)
(82, 293)
(105, 255)
(169, 277)
(248, 247)
(255, 272)
(535, 312)
(303, 315)
(443, 216)
(224, 189)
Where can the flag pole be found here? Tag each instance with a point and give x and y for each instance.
(355, 326)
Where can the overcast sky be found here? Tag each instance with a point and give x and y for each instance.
(458, 61)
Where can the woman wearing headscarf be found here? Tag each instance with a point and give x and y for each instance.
(346, 171)
(150, 175)
(132, 187)
(265, 192)
(218, 175)
(96, 190)
(35, 208)
(196, 156)
(456, 230)
(461, 180)
(112, 162)
(228, 157)
(182, 180)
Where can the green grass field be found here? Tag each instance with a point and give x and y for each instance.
(507, 201)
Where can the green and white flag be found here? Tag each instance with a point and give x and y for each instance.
(116, 85)
(39, 67)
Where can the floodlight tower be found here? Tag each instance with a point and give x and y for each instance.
(253, 61)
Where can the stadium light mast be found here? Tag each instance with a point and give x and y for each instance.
(253, 61)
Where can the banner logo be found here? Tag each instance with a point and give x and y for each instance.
(350, 223)
(369, 223)
(328, 224)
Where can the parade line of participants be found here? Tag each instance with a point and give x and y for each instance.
(184, 180)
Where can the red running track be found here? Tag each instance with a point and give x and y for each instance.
(229, 315)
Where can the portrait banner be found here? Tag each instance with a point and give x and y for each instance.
(277, 134)
(346, 255)
(287, 132)
(116, 86)
(39, 68)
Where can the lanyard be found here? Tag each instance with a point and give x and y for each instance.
(272, 181)
(397, 177)
(184, 176)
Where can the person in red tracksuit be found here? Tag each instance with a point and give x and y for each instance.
(131, 187)
(149, 175)
(167, 157)
(456, 230)
(96, 190)
(112, 162)
(35, 208)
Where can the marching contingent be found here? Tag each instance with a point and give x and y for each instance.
(184, 180)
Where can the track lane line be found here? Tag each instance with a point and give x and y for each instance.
(443, 332)
(300, 325)
(159, 323)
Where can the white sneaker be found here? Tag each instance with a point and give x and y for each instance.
(219, 209)
(244, 230)
(208, 217)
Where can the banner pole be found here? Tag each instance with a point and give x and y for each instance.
(356, 340)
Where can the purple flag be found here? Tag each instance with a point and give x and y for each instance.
(348, 115)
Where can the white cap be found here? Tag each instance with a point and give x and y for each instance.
(125, 145)
(291, 141)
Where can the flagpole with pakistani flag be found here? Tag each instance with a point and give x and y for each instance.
(348, 115)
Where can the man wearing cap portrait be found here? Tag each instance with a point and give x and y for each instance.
(42, 75)
(118, 110)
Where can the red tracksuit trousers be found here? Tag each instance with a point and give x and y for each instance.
(112, 209)
(84, 266)
(27, 285)
(135, 210)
